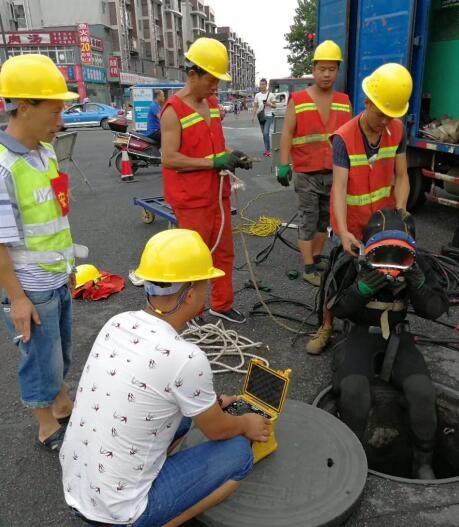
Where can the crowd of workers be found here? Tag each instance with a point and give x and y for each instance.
(142, 384)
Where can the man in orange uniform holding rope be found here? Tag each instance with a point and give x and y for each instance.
(195, 156)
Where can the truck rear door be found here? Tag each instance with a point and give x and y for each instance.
(384, 30)
(333, 24)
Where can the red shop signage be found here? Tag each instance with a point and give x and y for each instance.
(57, 38)
(113, 67)
(85, 43)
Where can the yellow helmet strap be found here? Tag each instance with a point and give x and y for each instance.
(181, 298)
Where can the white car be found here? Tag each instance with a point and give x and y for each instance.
(228, 106)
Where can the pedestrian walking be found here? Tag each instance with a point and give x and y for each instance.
(263, 105)
(141, 388)
(154, 112)
(36, 248)
(194, 154)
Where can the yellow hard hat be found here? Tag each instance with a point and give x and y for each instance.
(33, 77)
(389, 88)
(210, 55)
(328, 50)
(86, 273)
(176, 255)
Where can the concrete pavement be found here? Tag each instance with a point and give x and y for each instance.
(107, 221)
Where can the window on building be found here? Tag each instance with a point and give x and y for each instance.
(60, 56)
(19, 16)
(112, 13)
(144, 7)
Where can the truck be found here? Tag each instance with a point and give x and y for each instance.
(423, 35)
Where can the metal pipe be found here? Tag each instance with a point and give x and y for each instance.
(3, 44)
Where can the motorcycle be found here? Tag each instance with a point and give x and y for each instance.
(143, 151)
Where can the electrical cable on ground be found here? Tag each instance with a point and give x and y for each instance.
(264, 226)
(220, 344)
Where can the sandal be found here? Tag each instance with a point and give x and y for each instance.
(53, 443)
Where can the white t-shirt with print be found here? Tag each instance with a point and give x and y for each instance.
(260, 98)
(140, 379)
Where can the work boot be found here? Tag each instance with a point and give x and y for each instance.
(422, 464)
(319, 340)
(312, 278)
(321, 264)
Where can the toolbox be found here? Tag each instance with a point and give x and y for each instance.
(264, 393)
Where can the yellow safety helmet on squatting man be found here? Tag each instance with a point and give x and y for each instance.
(171, 261)
(328, 50)
(33, 77)
(389, 88)
(211, 56)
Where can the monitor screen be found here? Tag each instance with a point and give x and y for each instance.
(265, 386)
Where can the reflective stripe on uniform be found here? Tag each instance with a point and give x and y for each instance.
(305, 107)
(215, 112)
(338, 107)
(306, 139)
(190, 120)
(367, 199)
(358, 160)
(47, 229)
(212, 156)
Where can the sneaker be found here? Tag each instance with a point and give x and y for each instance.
(265, 153)
(268, 153)
(322, 264)
(312, 278)
(232, 315)
(134, 279)
(319, 340)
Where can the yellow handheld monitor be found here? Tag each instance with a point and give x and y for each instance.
(264, 393)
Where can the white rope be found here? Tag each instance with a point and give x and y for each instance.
(222, 345)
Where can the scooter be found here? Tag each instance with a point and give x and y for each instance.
(142, 150)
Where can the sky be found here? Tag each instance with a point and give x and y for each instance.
(262, 24)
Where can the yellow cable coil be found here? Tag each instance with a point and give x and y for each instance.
(264, 226)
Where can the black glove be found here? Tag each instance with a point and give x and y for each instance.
(226, 161)
(414, 277)
(370, 281)
(244, 160)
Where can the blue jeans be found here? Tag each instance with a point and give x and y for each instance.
(265, 129)
(187, 477)
(45, 359)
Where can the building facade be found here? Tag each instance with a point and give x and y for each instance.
(127, 41)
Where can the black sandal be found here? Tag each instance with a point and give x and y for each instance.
(53, 443)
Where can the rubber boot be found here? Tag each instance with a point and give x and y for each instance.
(422, 464)
(319, 340)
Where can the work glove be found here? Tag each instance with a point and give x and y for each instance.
(370, 281)
(245, 161)
(284, 175)
(227, 161)
(404, 214)
(414, 277)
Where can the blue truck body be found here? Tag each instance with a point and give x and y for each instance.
(374, 32)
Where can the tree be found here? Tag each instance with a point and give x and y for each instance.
(298, 43)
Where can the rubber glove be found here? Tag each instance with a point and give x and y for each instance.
(245, 161)
(414, 277)
(284, 175)
(226, 161)
(370, 281)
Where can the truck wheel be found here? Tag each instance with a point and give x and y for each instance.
(417, 196)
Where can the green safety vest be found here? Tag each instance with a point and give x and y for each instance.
(47, 238)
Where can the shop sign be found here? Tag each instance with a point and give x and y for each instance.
(96, 43)
(114, 67)
(85, 43)
(133, 78)
(56, 38)
(95, 75)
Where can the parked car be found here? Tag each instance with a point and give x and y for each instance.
(222, 112)
(228, 106)
(89, 114)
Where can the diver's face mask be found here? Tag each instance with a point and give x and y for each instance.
(391, 253)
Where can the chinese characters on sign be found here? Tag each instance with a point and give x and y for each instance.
(113, 67)
(95, 75)
(96, 43)
(85, 43)
(59, 38)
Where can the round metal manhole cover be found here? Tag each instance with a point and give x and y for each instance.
(315, 478)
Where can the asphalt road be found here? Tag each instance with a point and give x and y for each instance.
(106, 221)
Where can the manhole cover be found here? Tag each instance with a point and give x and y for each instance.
(314, 479)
